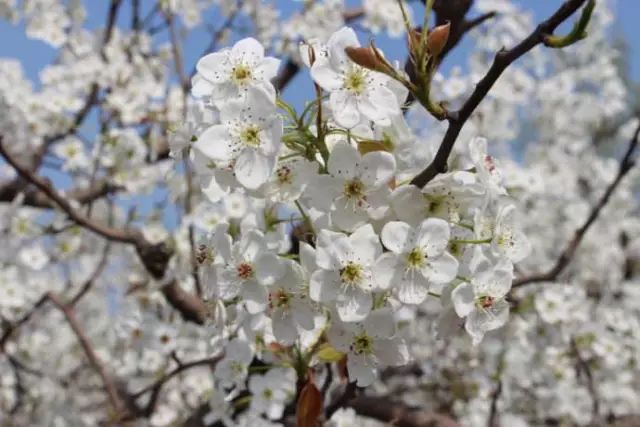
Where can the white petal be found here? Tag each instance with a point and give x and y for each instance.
(392, 352)
(284, 330)
(210, 67)
(500, 283)
(354, 304)
(476, 325)
(463, 298)
(380, 323)
(325, 76)
(365, 244)
(324, 285)
(498, 315)
(303, 314)
(344, 108)
(377, 168)
(251, 245)
(216, 143)
(433, 235)
(308, 257)
(380, 105)
(269, 268)
(361, 369)
(249, 48)
(253, 169)
(387, 270)
(347, 215)
(343, 161)
(268, 68)
(407, 201)
(442, 269)
(413, 290)
(332, 250)
(255, 297)
(397, 236)
(336, 45)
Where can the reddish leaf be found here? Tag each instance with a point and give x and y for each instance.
(309, 405)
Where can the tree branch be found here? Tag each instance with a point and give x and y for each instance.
(502, 60)
(94, 360)
(155, 257)
(156, 387)
(398, 414)
(626, 164)
(43, 185)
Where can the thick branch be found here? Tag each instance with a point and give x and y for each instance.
(398, 414)
(38, 199)
(626, 163)
(154, 257)
(502, 60)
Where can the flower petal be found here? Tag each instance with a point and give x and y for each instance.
(216, 143)
(324, 286)
(354, 304)
(377, 168)
(343, 161)
(253, 169)
(433, 235)
(269, 268)
(463, 298)
(397, 236)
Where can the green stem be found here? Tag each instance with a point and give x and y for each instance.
(470, 241)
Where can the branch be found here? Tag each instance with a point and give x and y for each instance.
(398, 414)
(156, 387)
(583, 365)
(38, 199)
(502, 60)
(155, 257)
(10, 328)
(626, 164)
(94, 360)
(43, 185)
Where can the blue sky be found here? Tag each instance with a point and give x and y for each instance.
(34, 54)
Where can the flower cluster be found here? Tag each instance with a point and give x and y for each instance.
(372, 243)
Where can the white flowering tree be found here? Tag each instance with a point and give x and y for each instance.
(182, 246)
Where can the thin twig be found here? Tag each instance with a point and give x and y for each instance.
(502, 60)
(43, 185)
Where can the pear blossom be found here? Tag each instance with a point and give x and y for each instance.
(233, 369)
(369, 345)
(482, 300)
(248, 138)
(247, 271)
(231, 73)
(355, 186)
(356, 92)
(289, 302)
(417, 259)
(345, 275)
(270, 392)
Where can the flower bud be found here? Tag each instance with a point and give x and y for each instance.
(437, 39)
(365, 57)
